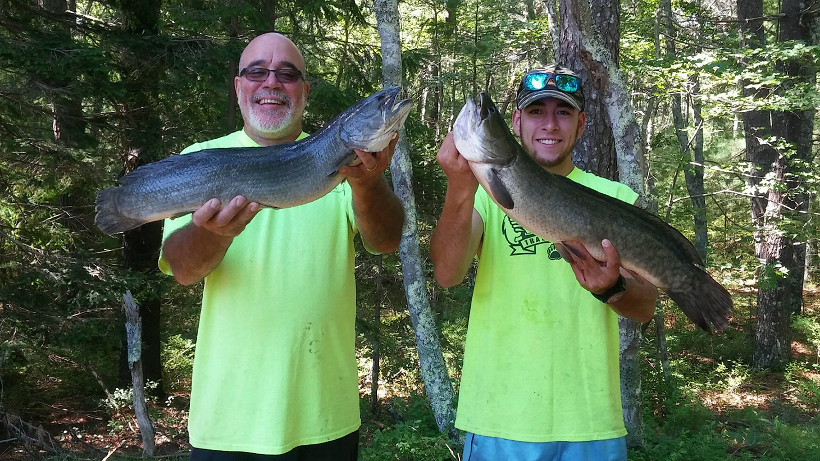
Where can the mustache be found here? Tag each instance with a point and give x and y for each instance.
(272, 94)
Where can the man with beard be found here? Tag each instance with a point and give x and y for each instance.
(540, 379)
(275, 373)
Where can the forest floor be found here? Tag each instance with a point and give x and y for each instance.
(713, 406)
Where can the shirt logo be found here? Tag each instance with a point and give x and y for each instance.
(524, 242)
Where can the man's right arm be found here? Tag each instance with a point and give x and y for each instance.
(457, 236)
(197, 249)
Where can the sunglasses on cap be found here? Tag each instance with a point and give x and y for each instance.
(539, 80)
(260, 74)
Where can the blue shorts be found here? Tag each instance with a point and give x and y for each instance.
(481, 448)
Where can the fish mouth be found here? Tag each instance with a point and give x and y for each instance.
(485, 106)
(392, 107)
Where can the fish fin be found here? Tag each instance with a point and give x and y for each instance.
(499, 191)
(109, 218)
(562, 250)
(705, 302)
(572, 249)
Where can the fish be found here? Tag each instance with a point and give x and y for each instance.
(561, 210)
(280, 176)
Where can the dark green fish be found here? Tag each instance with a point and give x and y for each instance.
(559, 210)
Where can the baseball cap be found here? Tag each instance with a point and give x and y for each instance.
(550, 82)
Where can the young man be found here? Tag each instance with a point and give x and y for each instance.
(275, 373)
(540, 379)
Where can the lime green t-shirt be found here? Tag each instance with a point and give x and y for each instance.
(275, 362)
(541, 355)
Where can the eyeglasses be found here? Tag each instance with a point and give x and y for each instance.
(539, 80)
(260, 74)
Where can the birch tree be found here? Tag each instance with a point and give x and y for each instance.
(581, 21)
(433, 370)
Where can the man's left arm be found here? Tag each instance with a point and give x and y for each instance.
(636, 302)
(379, 213)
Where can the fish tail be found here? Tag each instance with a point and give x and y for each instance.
(109, 218)
(704, 303)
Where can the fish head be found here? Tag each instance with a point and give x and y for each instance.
(481, 135)
(371, 124)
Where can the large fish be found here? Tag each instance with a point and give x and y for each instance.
(559, 210)
(280, 176)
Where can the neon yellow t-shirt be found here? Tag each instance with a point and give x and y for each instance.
(275, 362)
(541, 355)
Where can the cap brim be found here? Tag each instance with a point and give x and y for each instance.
(548, 93)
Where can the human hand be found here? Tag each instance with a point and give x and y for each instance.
(227, 221)
(456, 167)
(594, 275)
(371, 166)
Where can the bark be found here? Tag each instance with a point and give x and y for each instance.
(142, 142)
(697, 188)
(554, 25)
(595, 149)
(377, 320)
(433, 369)
(780, 294)
(693, 174)
(233, 70)
(660, 334)
(69, 124)
(581, 24)
(475, 48)
(797, 129)
(757, 124)
(772, 348)
(133, 327)
(435, 74)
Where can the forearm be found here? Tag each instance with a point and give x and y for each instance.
(454, 242)
(638, 301)
(379, 215)
(193, 252)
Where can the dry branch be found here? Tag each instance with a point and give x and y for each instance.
(33, 439)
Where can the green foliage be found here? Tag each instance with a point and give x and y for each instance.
(407, 442)
(177, 361)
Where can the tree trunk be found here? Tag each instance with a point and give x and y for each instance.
(757, 124)
(475, 48)
(554, 24)
(143, 131)
(69, 123)
(781, 283)
(377, 321)
(433, 369)
(133, 327)
(693, 174)
(598, 57)
(797, 129)
(233, 70)
(595, 149)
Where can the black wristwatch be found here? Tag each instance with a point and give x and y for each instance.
(614, 293)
